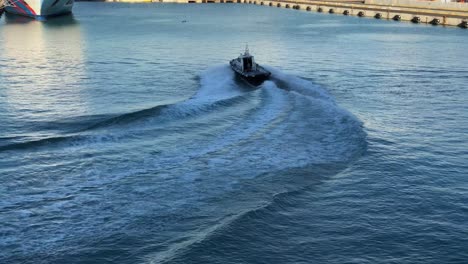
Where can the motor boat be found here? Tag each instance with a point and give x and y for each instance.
(246, 68)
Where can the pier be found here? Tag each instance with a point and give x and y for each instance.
(435, 13)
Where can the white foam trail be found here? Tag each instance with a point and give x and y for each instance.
(292, 127)
(217, 83)
(299, 85)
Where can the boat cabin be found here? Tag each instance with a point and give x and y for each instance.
(246, 61)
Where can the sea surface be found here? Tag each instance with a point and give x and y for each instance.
(126, 138)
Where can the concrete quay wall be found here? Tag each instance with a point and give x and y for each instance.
(352, 8)
(452, 6)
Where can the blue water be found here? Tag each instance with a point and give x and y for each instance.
(126, 138)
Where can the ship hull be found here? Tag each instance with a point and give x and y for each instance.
(40, 9)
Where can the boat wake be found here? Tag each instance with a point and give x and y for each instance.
(303, 135)
(170, 163)
(218, 90)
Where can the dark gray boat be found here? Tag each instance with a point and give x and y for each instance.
(246, 68)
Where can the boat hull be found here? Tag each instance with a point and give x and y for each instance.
(39, 9)
(254, 78)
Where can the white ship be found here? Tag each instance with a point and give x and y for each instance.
(38, 9)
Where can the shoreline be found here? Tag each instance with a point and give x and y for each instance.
(416, 14)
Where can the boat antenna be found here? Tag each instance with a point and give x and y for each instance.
(246, 49)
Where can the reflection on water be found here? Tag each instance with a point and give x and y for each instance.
(45, 65)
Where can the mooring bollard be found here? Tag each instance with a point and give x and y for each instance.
(416, 19)
(435, 21)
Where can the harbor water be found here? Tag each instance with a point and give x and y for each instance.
(126, 138)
